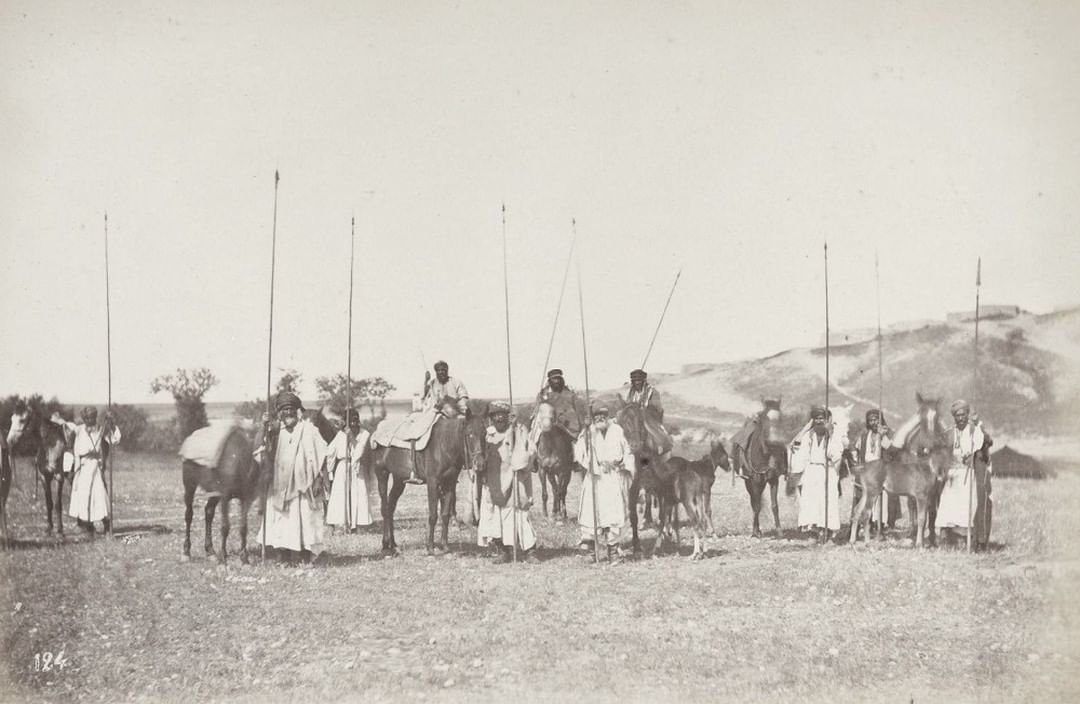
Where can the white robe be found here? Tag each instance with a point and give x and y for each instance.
(497, 522)
(359, 487)
(817, 463)
(299, 525)
(613, 468)
(956, 493)
(89, 499)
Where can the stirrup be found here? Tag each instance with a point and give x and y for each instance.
(413, 479)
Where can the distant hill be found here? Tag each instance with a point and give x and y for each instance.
(1029, 375)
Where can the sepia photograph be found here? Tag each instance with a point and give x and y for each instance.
(600, 352)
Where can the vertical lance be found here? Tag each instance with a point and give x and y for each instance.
(588, 431)
(348, 387)
(108, 364)
(267, 468)
(510, 389)
(882, 503)
(974, 386)
(828, 432)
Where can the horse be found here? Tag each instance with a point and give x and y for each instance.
(52, 442)
(554, 461)
(236, 476)
(706, 467)
(692, 488)
(760, 458)
(645, 437)
(903, 474)
(919, 436)
(454, 442)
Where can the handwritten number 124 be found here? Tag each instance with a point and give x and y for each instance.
(45, 662)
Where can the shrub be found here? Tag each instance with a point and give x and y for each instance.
(187, 386)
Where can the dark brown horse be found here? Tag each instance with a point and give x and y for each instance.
(52, 441)
(554, 461)
(760, 458)
(645, 437)
(236, 476)
(691, 489)
(454, 442)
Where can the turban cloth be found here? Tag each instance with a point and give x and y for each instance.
(639, 374)
(960, 405)
(287, 400)
(554, 373)
(818, 411)
(497, 407)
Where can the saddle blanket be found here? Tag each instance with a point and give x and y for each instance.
(205, 445)
(400, 433)
(742, 438)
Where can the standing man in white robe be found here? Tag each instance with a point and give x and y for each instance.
(351, 487)
(292, 452)
(816, 457)
(958, 510)
(612, 466)
(89, 495)
(500, 508)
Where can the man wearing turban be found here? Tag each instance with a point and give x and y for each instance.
(970, 447)
(608, 475)
(816, 458)
(508, 486)
(292, 450)
(870, 445)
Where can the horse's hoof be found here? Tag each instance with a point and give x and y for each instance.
(49, 531)
(756, 534)
(244, 559)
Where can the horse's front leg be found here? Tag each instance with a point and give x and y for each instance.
(546, 475)
(46, 479)
(244, 506)
(224, 531)
(448, 499)
(774, 487)
(208, 535)
(562, 483)
(60, 504)
(189, 500)
(755, 489)
(433, 512)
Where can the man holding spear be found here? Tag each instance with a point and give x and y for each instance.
(504, 507)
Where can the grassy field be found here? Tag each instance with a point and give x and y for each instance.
(777, 619)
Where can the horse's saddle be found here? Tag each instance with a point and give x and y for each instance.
(742, 438)
(205, 445)
(412, 433)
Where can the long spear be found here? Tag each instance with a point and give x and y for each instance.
(661, 321)
(828, 434)
(974, 386)
(108, 364)
(269, 359)
(510, 384)
(558, 308)
(588, 430)
(882, 503)
(348, 388)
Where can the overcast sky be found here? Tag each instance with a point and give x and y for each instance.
(725, 139)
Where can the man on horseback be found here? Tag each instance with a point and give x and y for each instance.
(504, 504)
(293, 451)
(444, 386)
(970, 454)
(564, 401)
(612, 467)
(645, 395)
(870, 445)
(816, 457)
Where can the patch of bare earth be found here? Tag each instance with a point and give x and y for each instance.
(776, 619)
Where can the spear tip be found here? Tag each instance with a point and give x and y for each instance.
(277, 176)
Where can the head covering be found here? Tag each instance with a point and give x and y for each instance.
(638, 374)
(498, 407)
(555, 373)
(818, 411)
(351, 417)
(442, 365)
(89, 415)
(959, 405)
(286, 400)
(873, 413)
(599, 409)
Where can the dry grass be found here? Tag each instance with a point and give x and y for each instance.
(761, 620)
